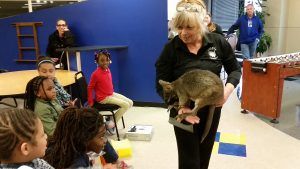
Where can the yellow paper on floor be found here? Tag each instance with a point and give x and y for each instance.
(123, 148)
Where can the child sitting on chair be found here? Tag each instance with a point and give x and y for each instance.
(101, 83)
(46, 67)
(78, 133)
(40, 97)
(22, 139)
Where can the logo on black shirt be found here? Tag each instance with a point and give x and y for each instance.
(212, 53)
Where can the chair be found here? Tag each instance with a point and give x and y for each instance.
(232, 39)
(80, 91)
(2, 97)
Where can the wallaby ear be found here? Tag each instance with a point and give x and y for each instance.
(165, 85)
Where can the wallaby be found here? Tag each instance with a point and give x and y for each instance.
(201, 86)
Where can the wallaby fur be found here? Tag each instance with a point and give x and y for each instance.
(201, 86)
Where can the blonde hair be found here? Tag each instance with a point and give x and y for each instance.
(191, 13)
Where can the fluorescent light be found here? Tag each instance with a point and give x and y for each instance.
(37, 3)
(32, 6)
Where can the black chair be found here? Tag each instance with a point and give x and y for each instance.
(14, 99)
(80, 91)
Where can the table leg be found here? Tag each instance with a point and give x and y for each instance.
(78, 60)
(10, 105)
(68, 60)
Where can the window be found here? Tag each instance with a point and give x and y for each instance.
(224, 12)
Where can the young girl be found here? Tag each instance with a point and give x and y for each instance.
(22, 139)
(46, 67)
(78, 132)
(101, 84)
(40, 97)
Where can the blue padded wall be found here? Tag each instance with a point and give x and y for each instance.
(141, 25)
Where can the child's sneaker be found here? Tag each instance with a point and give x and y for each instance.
(110, 127)
(109, 124)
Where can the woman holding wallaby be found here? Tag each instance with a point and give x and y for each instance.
(195, 48)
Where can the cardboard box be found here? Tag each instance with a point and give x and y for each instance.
(140, 132)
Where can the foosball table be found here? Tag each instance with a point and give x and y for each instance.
(263, 80)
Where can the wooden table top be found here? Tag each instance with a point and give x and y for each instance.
(14, 83)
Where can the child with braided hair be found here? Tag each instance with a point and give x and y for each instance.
(102, 86)
(40, 97)
(78, 132)
(22, 139)
(46, 67)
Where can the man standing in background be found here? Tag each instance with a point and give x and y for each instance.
(250, 31)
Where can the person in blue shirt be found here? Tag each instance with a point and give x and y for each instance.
(250, 31)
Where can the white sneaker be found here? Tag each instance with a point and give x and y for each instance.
(110, 126)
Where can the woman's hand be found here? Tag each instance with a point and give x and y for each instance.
(227, 92)
(191, 119)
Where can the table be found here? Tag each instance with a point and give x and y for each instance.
(77, 51)
(13, 84)
(263, 86)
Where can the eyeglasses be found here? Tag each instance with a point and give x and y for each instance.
(189, 7)
(61, 25)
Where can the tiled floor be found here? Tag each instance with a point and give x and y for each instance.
(289, 120)
(230, 144)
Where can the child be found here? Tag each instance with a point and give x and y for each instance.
(46, 67)
(101, 84)
(40, 97)
(78, 132)
(22, 139)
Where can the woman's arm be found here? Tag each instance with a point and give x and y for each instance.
(164, 68)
